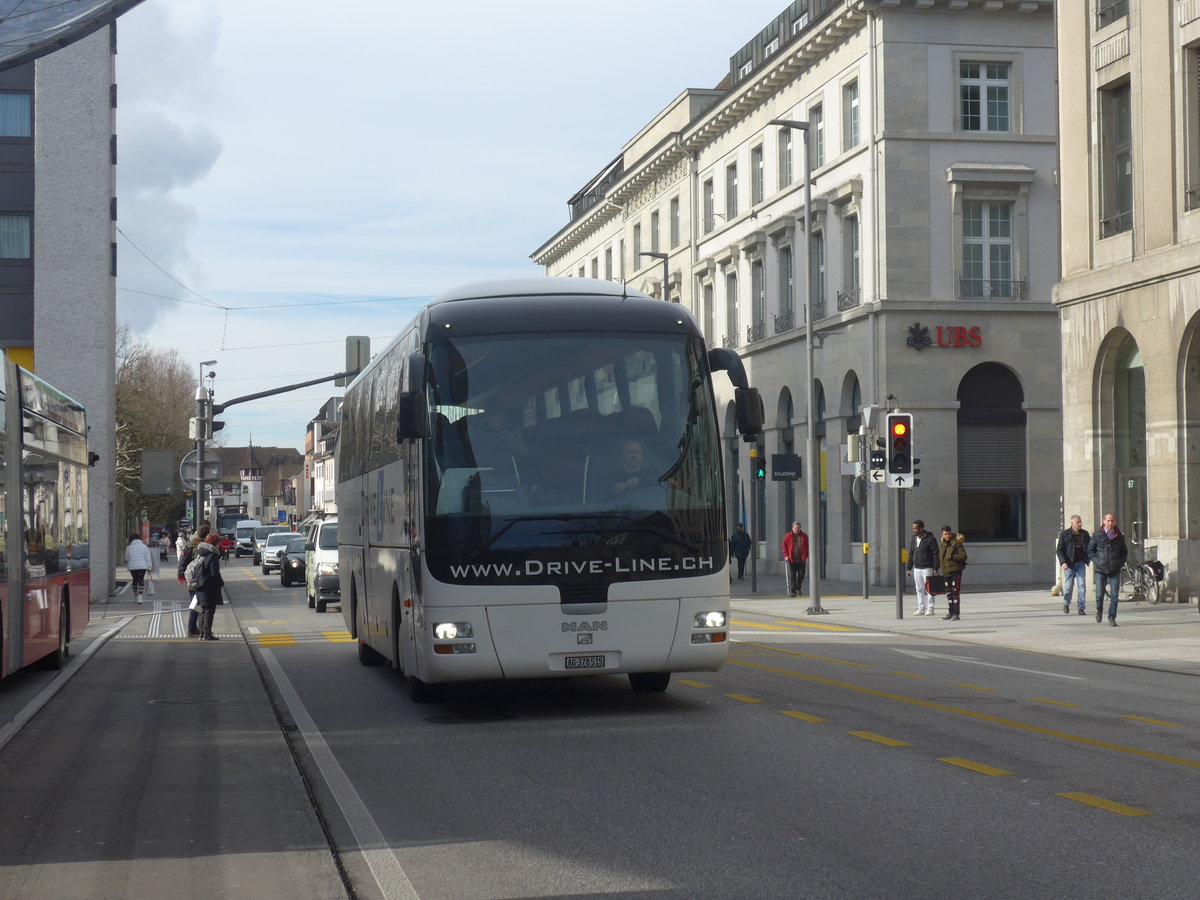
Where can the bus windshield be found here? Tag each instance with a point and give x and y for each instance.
(552, 440)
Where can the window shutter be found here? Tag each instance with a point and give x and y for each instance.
(991, 457)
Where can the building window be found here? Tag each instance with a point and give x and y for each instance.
(851, 261)
(785, 158)
(608, 263)
(1191, 124)
(816, 124)
(16, 115)
(987, 250)
(756, 331)
(787, 286)
(991, 455)
(850, 130)
(771, 47)
(1109, 11)
(801, 23)
(654, 232)
(595, 267)
(983, 91)
(708, 314)
(818, 288)
(731, 197)
(707, 199)
(16, 237)
(637, 246)
(1116, 161)
(745, 69)
(731, 310)
(675, 222)
(757, 175)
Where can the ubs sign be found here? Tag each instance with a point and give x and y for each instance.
(949, 337)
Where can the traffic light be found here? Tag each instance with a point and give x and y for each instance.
(899, 443)
(760, 468)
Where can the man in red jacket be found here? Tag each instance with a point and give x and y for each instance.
(795, 557)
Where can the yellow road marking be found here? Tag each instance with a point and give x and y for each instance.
(803, 717)
(276, 640)
(974, 687)
(910, 675)
(973, 766)
(695, 684)
(338, 637)
(790, 626)
(1153, 721)
(972, 714)
(786, 652)
(879, 739)
(1051, 702)
(743, 698)
(1111, 805)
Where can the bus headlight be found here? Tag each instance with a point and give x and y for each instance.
(449, 631)
(714, 619)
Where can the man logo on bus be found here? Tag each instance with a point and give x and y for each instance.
(584, 626)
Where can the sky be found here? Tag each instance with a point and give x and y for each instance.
(290, 174)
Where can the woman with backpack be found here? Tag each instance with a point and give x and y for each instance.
(208, 583)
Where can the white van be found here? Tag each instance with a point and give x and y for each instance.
(243, 536)
(321, 565)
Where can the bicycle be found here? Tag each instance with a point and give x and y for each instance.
(1142, 580)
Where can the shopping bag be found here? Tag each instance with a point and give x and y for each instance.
(195, 602)
(935, 584)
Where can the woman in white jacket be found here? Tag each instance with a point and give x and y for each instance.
(139, 560)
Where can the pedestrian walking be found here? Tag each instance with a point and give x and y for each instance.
(164, 547)
(181, 544)
(1108, 552)
(1073, 557)
(795, 558)
(922, 563)
(208, 594)
(952, 559)
(739, 548)
(138, 560)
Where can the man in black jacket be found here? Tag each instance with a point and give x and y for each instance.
(1073, 557)
(1108, 553)
(922, 562)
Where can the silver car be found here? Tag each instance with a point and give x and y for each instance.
(273, 550)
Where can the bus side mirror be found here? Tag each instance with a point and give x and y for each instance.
(412, 417)
(750, 416)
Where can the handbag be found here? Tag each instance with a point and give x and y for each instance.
(935, 584)
(195, 602)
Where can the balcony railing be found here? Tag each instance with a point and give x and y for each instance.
(785, 322)
(818, 309)
(1122, 221)
(990, 289)
(729, 341)
(849, 299)
(756, 332)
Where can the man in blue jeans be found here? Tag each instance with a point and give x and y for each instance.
(1108, 553)
(1073, 557)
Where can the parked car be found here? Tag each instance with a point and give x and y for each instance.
(291, 564)
(261, 533)
(272, 552)
(321, 565)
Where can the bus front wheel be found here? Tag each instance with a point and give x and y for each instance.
(649, 682)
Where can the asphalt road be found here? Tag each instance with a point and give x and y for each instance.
(832, 761)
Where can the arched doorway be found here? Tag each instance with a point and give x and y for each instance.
(1129, 439)
(992, 473)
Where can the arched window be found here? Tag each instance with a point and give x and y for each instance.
(1129, 440)
(991, 455)
(852, 394)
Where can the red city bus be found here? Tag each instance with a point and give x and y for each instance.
(45, 594)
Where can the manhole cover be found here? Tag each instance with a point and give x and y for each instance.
(468, 719)
(186, 701)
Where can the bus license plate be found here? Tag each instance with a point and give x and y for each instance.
(585, 662)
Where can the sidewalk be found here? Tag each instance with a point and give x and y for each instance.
(1164, 637)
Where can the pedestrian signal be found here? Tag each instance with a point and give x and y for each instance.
(899, 444)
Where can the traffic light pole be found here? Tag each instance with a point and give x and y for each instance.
(900, 553)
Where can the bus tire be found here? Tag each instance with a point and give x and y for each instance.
(369, 656)
(420, 691)
(649, 682)
(58, 658)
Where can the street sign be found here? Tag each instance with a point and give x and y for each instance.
(899, 480)
(188, 469)
(281, 515)
(785, 466)
(878, 476)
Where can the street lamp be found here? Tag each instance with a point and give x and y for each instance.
(811, 468)
(666, 279)
(202, 402)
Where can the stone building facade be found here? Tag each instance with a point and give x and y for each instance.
(933, 243)
(1129, 75)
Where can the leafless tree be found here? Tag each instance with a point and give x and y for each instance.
(155, 399)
